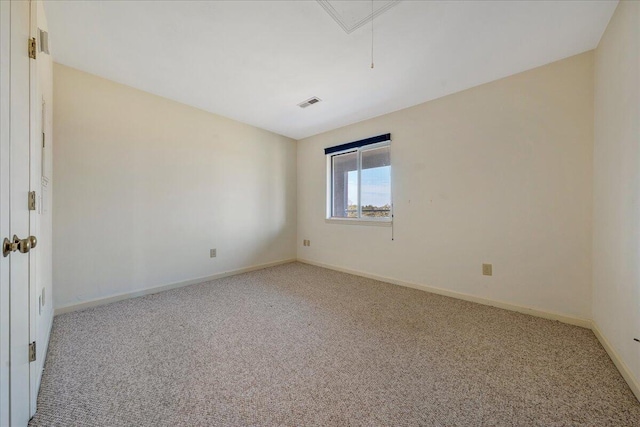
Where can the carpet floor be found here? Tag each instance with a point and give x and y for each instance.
(300, 345)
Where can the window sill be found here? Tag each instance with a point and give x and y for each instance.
(353, 221)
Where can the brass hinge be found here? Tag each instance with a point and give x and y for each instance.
(32, 352)
(32, 200)
(32, 48)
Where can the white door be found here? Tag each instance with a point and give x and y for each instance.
(16, 308)
(5, 39)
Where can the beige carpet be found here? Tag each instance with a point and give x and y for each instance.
(300, 345)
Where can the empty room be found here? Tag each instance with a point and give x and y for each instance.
(319, 213)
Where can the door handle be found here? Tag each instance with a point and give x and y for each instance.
(20, 245)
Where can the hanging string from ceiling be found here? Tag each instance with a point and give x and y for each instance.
(371, 34)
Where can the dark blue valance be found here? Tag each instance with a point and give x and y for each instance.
(358, 144)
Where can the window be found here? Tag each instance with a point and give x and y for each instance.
(360, 180)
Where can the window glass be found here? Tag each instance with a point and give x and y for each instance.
(376, 183)
(344, 203)
(361, 183)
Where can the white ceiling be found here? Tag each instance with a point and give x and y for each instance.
(254, 61)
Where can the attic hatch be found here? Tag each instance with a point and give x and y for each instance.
(351, 15)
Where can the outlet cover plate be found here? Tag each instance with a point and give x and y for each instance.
(487, 269)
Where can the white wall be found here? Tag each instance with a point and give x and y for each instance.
(616, 216)
(146, 186)
(500, 173)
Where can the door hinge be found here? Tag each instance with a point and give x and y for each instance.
(32, 200)
(32, 352)
(32, 48)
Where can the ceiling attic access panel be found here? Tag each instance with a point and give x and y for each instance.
(351, 15)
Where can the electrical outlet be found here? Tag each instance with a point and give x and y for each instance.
(213, 253)
(306, 242)
(487, 269)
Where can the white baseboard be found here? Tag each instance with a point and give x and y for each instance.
(634, 385)
(577, 321)
(153, 290)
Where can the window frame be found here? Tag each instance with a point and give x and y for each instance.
(360, 220)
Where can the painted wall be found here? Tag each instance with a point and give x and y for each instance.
(616, 215)
(500, 173)
(146, 186)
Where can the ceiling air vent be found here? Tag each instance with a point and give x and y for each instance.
(309, 102)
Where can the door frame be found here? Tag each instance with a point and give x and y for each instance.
(40, 182)
(33, 217)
